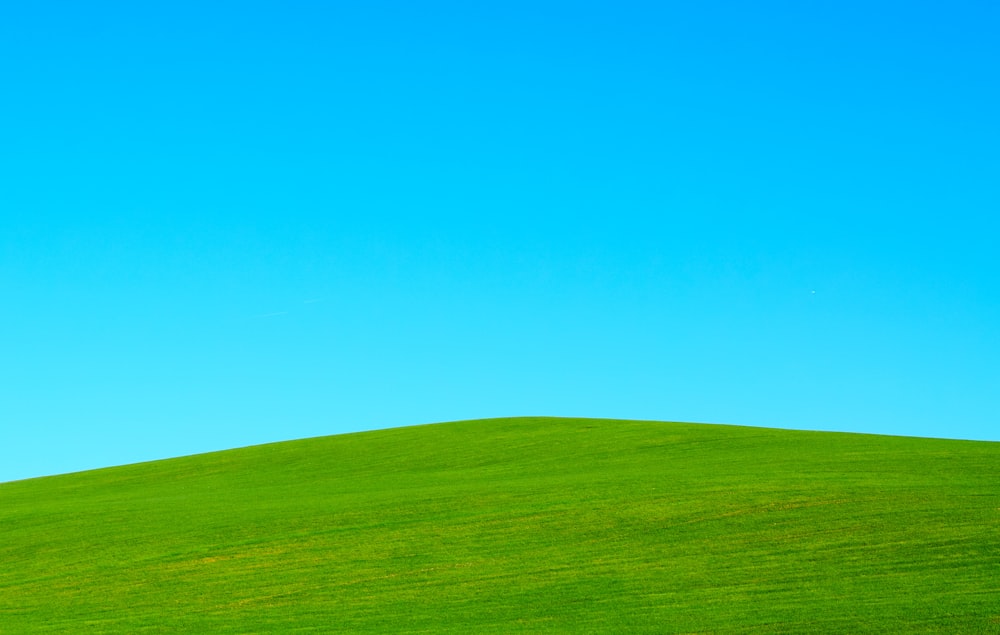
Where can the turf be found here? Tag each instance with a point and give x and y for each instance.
(517, 525)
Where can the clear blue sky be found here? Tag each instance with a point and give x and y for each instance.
(230, 223)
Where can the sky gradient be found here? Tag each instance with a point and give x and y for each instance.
(247, 222)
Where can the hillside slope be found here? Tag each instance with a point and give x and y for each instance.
(517, 525)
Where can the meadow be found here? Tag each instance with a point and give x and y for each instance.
(517, 525)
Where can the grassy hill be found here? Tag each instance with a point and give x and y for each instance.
(517, 525)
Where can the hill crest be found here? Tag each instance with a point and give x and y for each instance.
(531, 524)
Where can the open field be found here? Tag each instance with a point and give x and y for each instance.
(517, 525)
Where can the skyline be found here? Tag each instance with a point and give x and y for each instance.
(230, 225)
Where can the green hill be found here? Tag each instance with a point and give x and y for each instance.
(517, 525)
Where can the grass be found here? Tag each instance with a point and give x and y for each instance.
(517, 525)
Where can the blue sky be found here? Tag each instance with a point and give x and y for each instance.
(247, 222)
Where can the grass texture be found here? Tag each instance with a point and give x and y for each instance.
(517, 525)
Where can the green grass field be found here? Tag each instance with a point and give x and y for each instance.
(517, 525)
